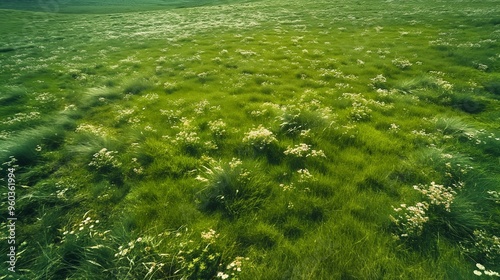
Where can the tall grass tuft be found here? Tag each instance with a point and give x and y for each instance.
(492, 86)
(234, 188)
(28, 144)
(11, 95)
(137, 86)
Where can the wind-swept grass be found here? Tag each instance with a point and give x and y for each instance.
(252, 139)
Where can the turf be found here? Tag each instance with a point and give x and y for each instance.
(251, 139)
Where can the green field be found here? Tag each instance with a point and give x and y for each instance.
(263, 139)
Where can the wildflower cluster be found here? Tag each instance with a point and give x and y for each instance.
(183, 255)
(394, 128)
(487, 245)
(481, 137)
(482, 67)
(360, 106)
(289, 187)
(139, 258)
(123, 251)
(483, 246)
(199, 259)
(235, 162)
(379, 81)
(402, 63)
(482, 270)
(22, 117)
(260, 137)
(437, 194)
(232, 269)
(246, 53)
(217, 127)
(444, 84)
(494, 196)
(4, 135)
(63, 187)
(384, 92)
(126, 114)
(201, 106)
(85, 229)
(45, 97)
(105, 159)
(303, 150)
(209, 236)
(92, 129)
(331, 73)
(188, 137)
(410, 219)
(424, 136)
(360, 111)
(172, 115)
(136, 166)
(150, 96)
(170, 87)
(305, 176)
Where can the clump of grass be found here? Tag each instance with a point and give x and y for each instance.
(421, 82)
(435, 213)
(468, 104)
(260, 138)
(137, 86)
(261, 141)
(28, 144)
(295, 119)
(186, 256)
(10, 95)
(99, 96)
(452, 126)
(492, 86)
(233, 188)
(300, 154)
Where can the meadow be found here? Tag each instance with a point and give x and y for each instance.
(262, 139)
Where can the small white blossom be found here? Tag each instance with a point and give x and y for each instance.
(259, 137)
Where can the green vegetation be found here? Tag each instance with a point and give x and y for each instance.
(251, 139)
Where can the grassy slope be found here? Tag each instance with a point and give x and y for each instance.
(141, 83)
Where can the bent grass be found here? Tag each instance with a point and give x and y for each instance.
(254, 140)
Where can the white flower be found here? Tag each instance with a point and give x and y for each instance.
(491, 273)
(260, 137)
(401, 63)
(379, 79)
(209, 235)
(478, 273)
(222, 275)
(201, 179)
(482, 67)
(437, 194)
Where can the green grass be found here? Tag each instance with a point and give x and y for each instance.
(107, 6)
(251, 139)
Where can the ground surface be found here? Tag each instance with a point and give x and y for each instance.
(250, 139)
